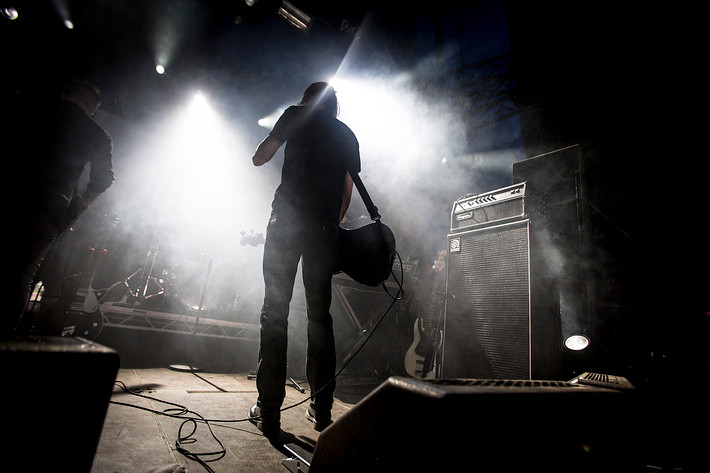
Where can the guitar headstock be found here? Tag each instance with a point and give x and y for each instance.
(440, 262)
(253, 238)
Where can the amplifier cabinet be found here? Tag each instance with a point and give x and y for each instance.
(487, 317)
(502, 316)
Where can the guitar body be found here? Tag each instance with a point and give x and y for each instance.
(367, 254)
(419, 359)
(83, 317)
(75, 314)
(414, 358)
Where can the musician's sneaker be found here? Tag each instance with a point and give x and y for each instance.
(320, 420)
(268, 422)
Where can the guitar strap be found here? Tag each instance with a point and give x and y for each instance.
(374, 213)
(367, 253)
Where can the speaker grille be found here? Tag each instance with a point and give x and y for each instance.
(487, 326)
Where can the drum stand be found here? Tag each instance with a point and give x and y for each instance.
(145, 289)
(140, 294)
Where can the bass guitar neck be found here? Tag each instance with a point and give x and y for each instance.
(421, 359)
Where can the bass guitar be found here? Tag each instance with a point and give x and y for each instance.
(420, 361)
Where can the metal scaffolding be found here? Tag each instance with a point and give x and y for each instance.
(118, 315)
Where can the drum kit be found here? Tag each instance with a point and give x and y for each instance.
(181, 281)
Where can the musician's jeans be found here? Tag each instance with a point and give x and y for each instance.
(37, 222)
(288, 242)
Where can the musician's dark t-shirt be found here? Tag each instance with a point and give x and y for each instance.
(319, 150)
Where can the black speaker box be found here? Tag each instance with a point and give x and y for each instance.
(355, 309)
(482, 425)
(557, 200)
(496, 325)
(56, 392)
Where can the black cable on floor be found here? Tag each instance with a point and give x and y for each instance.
(180, 412)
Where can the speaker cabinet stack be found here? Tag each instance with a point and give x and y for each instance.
(562, 261)
(517, 281)
(487, 321)
(488, 329)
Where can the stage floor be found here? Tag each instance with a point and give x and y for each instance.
(140, 433)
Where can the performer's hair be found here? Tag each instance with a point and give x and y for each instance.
(83, 88)
(321, 94)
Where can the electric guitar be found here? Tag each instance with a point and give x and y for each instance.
(77, 312)
(366, 254)
(420, 359)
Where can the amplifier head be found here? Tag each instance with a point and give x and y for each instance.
(497, 206)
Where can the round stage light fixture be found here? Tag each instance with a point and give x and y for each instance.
(577, 342)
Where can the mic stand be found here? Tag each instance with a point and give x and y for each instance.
(190, 367)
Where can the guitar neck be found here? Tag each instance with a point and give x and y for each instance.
(431, 322)
(88, 275)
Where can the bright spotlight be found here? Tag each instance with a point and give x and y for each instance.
(577, 342)
(160, 69)
(69, 24)
(269, 121)
(10, 13)
(295, 16)
(200, 161)
(200, 108)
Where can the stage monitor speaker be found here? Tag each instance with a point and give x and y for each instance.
(482, 425)
(355, 309)
(56, 395)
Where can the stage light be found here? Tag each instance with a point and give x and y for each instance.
(386, 115)
(10, 13)
(62, 9)
(295, 16)
(577, 342)
(269, 121)
(200, 111)
(160, 69)
(200, 167)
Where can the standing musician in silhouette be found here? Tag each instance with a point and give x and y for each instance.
(51, 148)
(308, 205)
